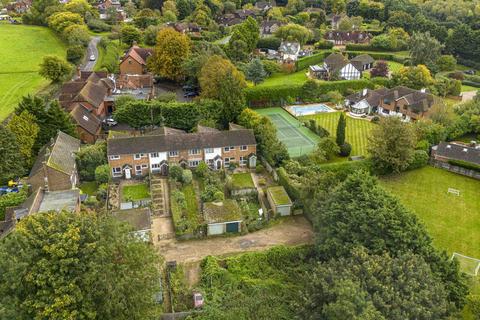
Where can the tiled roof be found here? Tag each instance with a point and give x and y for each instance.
(139, 219)
(162, 143)
(139, 54)
(347, 36)
(457, 151)
(335, 62)
(85, 119)
(93, 93)
(361, 60)
(58, 155)
(60, 200)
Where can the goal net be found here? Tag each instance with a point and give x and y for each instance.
(468, 265)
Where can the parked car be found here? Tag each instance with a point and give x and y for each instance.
(110, 122)
(92, 57)
(190, 94)
(197, 300)
(470, 72)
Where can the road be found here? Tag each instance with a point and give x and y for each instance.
(291, 231)
(91, 50)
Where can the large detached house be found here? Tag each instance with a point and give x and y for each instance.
(55, 168)
(457, 157)
(336, 66)
(344, 37)
(137, 156)
(399, 101)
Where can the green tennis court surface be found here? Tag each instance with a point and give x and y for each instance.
(298, 139)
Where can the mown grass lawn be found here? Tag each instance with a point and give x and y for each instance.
(22, 49)
(394, 66)
(357, 130)
(469, 88)
(89, 188)
(191, 201)
(242, 180)
(135, 192)
(277, 79)
(452, 221)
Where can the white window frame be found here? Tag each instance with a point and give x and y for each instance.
(116, 171)
(144, 166)
(194, 152)
(193, 163)
(209, 150)
(173, 153)
(114, 157)
(138, 156)
(138, 169)
(154, 155)
(156, 166)
(243, 148)
(243, 161)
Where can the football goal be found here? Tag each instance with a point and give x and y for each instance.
(468, 265)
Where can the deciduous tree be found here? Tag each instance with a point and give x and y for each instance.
(255, 72)
(25, 129)
(54, 68)
(294, 32)
(11, 160)
(424, 49)
(77, 265)
(380, 69)
(418, 77)
(171, 51)
(129, 34)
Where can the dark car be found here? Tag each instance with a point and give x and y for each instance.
(190, 94)
(470, 72)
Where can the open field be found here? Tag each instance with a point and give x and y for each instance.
(452, 221)
(298, 139)
(22, 49)
(357, 130)
(277, 79)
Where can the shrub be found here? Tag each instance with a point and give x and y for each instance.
(89, 158)
(271, 67)
(464, 164)
(375, 119)
(98, 25)
(201, 170)
(259, 168)
(218, 196)
(187, 176)
(102, 174)
(262, 181)
(101, 193)
(305, 62)
(446, 63)
(420, 159)
(458, 75)
(322, 44)
(473, 303)
(10, 200)
(423, 145)
(272, 43)
(345, 149)
(180, 198)
(176, 173)
(75, 54)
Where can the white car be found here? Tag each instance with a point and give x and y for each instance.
(110, 122)
(92, 57)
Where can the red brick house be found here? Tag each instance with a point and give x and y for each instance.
(137, 156)
(135, 60)
(55, 168)
(89, 126)
(344, 37)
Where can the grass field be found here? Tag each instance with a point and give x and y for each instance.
(135, 192)
(453, 221)
(357, 130)
(277, 79)
(22, 49)
(298, 139)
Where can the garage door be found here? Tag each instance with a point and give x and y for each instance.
(232, 227)
(214, 229)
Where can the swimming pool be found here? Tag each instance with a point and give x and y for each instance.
(309, 109)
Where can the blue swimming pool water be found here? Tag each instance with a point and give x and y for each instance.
(310, 109)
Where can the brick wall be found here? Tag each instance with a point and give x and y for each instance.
(131, 66)
(58, 180)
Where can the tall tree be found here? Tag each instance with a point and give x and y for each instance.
(372, 287)
(391, 145)
(255, 72)
(77, 266)
(424, 49)
(220, 80)
(341, 125)
(130, 34)
(418, 77)
(294, 32)
(11, 160)
(380, 69)
(171, 51)
(25, 128)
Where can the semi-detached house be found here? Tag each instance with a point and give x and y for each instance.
(137, 156)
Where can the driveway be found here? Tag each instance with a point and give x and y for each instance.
(91, 50)
(290, 231)
(468, 95)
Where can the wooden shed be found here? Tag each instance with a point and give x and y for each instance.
(279, 200)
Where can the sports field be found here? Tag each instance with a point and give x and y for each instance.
(22, 49)
(356, 132)
(298, 139)
(452, 220)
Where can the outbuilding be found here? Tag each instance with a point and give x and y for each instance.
(279, 201)
(222, 217)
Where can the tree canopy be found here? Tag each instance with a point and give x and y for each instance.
(77, 266)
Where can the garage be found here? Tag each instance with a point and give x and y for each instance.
(233, 227)
(222, 217)
(214, 229)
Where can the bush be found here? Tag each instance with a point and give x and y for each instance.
(322, 44)
(180, 198)
(10, 200)
(75, 54)
(259, 168)
(464, 164)
(471, 83)
(420, 159)
(473, 303)
(187, 176)
(423, 145)
(458, 75)
(271, 67)
(272, 43)
(102, 174)
(98, 25)
(201, 170)
(218, 196)
(446, 63)
(375, 119)
(89, 158)
(305, 62)
(101, 193)
(176, 173)
(345, 149)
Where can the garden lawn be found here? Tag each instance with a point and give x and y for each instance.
(242, 180)
(452, 221)
(89, 188)
(135, 192)
(22, 49)
(469, 88)
(191, 201)
(278, 79)
(357, 130)
(394, 66)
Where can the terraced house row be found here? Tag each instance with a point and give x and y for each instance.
(137, 156)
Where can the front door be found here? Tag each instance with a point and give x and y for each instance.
(164, 170)
(128, 174)
(218, 165)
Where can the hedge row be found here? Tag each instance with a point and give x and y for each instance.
(471, 83)
(364, 47)
(304, 63)
(469, 63)
(309, 90)
(379, 56)
(464, 164)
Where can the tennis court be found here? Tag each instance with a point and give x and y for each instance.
(298, 139)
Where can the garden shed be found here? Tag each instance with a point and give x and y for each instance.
(222, 217)
(279, 200)
(242, 184)
(139, 219)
